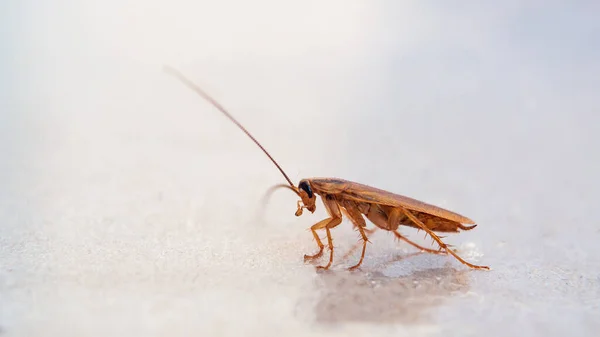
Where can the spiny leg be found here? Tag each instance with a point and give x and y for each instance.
(351, 251)
(357, 219)
(428, 250)
(362, 255)
(366, 231)
(439, 242)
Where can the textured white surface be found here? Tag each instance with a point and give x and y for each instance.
(129, 206)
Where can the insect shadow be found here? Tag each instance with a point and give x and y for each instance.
(373, 297)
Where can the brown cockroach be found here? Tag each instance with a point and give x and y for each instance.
(384, 209)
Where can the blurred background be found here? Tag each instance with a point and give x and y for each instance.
(129, 205)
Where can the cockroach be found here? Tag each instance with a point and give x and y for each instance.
(356, 201)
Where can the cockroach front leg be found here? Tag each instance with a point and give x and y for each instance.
(319, 225)
(327, 224)
(336, 218)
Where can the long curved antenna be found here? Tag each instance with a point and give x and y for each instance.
(270, 191)
(201, 92)
(273, 188)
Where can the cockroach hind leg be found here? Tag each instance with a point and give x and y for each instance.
(453, 252)
(440, 242)
(419, 247)
(461, 260)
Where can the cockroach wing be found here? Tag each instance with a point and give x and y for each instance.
(364, 193)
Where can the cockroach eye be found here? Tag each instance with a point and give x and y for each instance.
(306, 188)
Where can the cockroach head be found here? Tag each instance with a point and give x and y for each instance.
(307, 195)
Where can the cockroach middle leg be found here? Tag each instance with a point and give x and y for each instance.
(351, 251)
(365, 240)
(359, 222)
(439, 241)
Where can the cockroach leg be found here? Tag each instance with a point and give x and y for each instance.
(428, 250)
(330, 242)
(319, 225)
(332, 207)
(359, 222)
(327, 224)
(362, 255)
(439, 242)
(351, 251)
